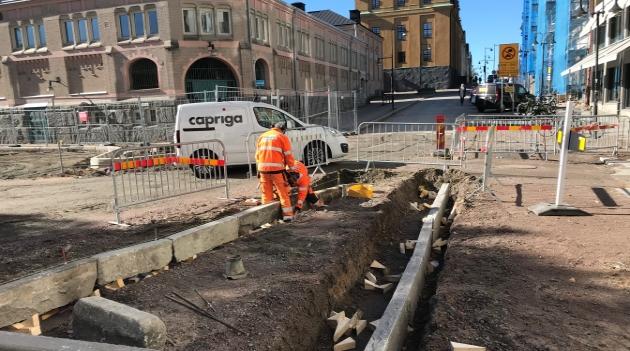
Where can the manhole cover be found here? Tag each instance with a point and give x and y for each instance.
(518, 166)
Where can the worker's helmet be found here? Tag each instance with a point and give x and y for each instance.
(281, 125)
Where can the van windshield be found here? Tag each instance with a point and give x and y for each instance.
(267, 117)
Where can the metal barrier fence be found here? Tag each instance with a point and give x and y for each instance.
(513, 134)
(419, 143)
(309, 144)
(145, 174)
(151, 119)
(537, 134)
(601, 132)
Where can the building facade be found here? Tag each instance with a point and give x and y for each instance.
(550, 43)
(423, 40)
(71, 52)
(606, 69)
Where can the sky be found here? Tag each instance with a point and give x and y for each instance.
(486, 22)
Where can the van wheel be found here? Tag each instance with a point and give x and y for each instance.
(206, 172)
(315, 153)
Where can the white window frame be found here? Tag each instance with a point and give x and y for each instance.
(219, 19)
(209, 12)
(193, 24)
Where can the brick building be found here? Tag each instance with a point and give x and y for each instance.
(425, 38)
(70, 52)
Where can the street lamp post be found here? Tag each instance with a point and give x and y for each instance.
(403, 34)
(485, 62)
(543, 73)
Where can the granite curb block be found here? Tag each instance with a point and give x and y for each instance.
(133, 260)
(391, 331)
(203, 238)
(102, 320)
(47, 290)
(23, 342)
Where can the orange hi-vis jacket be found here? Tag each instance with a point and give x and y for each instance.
(273, 152)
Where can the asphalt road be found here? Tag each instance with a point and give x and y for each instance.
(444, 102)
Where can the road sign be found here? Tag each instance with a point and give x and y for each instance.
(508, 60)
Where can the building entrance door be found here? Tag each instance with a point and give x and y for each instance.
(206, 74)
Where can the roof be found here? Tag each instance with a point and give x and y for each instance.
(332, 17)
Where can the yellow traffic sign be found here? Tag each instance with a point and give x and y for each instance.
(508, 60)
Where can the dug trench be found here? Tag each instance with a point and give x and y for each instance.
(297, 273)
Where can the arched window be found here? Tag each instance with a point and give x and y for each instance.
(261, 74)
(144, 75)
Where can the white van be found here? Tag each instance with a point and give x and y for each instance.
(239, 123)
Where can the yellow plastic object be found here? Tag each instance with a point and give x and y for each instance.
(362, 191)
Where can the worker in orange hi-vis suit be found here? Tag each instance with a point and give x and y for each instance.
(273, 157)
(301, 179)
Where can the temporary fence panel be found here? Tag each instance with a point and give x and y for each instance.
(309, 144)
(601, 132)
(419, 143)
(145, 174)
(513, 134)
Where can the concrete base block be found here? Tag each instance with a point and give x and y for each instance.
(47, 290)
(23, 342)
(206, 237)
(133, 260)
(102, 320)
(545, 209)
(256, 216)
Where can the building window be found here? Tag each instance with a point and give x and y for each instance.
(400, 3)
(260, 27)
(207, 21)
(427, 29)
(68, 31)
(124, 29)
(42, 35)
(30, 37)
(304, 43)
(376, 4)
(144, 75)
(223, 22)
(426, 1)
(332, 52)
(96, 32)
(17, 38)
(614, 30)
(82, 32)
(402, 57)
(152, 22)
(427, 55)
(612, 84)
(376, 30)
(401, 32)
(190, 21)
(138, 24)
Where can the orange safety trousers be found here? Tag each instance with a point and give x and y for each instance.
(276, 180)
(303, 184)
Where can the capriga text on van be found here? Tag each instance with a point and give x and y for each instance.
(227, 121)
